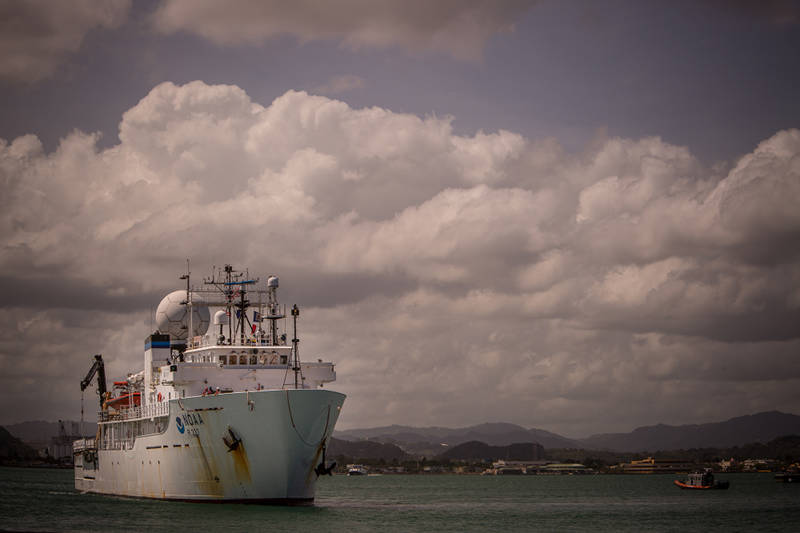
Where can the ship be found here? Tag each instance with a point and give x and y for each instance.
(702, 481)
(224, 410)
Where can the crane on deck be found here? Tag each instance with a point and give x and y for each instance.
(97, 368)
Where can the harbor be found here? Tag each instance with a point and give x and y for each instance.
(36, 500)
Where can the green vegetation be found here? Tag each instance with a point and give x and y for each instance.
(777, 454)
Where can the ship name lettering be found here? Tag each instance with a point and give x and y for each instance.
(192, 419)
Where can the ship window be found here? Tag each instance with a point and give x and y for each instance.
(232, 360)
(223, 359)
(253, 359)
(283, 359)
(262, 360)
(242, 359)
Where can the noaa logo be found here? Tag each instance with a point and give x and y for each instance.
(180, 424)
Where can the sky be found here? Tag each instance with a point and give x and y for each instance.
(574, 216)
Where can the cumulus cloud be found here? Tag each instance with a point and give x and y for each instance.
(459, 28)
(36, 35)
(454, 279)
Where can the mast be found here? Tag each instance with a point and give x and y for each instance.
(234, 290)
(295, 343)
(188, 303)
(229, 297)
(242, 313)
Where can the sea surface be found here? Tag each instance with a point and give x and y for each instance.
(45, 500)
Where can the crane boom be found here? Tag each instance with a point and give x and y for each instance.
(97, 368)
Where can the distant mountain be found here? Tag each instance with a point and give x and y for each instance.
(475, 450)
(426, 433)
(12, 448)
(364, 449)
(40, 433)
(418, 440)
(761, 427)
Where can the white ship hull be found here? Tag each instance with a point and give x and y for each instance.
(281, 434)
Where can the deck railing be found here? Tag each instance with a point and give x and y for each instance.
(249, 342)
(87, 443)
(141, 411)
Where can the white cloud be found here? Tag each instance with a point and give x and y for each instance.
(36, 35)
(457, 27)
(454, 279)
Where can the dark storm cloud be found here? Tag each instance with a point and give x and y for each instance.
(313, 288)
(53, 292)
(36, 35)
(457, 27)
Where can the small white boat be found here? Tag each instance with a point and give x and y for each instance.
(357, 470)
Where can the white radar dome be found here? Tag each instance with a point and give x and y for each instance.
(272, 281)
(172, 317)
(221, 318)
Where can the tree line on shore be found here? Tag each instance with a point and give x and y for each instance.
(475, 456)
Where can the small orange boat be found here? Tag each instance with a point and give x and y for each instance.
(702, 481)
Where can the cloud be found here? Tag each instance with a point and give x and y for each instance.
(340, 84)
(454, 279)
(36, 35)
(458, 28)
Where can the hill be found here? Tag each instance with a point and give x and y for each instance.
(41, 433)
(432, 440)
(363, 450)
(474, 450)
(12, 449)
(761, 427)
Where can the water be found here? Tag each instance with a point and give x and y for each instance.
(44, 500)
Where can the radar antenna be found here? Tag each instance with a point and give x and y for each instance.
(234, 287)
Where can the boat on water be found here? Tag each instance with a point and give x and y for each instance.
(702, 481)
(788, 477)
(227, 413)
(357, 470)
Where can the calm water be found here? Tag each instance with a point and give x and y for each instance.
(44, 500)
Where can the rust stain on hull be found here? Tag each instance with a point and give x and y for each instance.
(314, 462)
(241, 464)
(207, 477)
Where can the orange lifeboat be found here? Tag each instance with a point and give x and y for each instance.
(125, 400)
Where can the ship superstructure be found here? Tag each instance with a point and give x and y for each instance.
(223, 410)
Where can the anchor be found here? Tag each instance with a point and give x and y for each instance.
(233, 442)
(321, 469)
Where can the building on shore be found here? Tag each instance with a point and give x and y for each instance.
(510, 468)
(651, 465)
